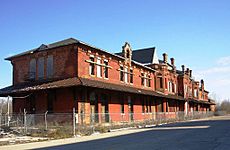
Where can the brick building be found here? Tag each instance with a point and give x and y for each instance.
(70, 73)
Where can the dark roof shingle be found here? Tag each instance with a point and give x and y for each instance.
(144, 56)
(45, 47)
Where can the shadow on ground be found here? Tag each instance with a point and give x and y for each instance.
(214, 135)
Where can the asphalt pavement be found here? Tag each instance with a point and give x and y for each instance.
(211, 134)
(206, 134)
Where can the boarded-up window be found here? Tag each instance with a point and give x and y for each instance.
(32, 71)
(49, 67)
(41, 68)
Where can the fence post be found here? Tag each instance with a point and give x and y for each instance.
(74, 123)
(8, 111)
(1, 113)
(0, 119)
(25, 126)
(46, 120)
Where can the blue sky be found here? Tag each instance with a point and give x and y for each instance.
(196, 32)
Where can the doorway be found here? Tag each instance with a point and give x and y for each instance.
(105, 107)
(50, 101)
(93, 108)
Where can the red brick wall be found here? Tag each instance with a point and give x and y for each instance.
(64, 100)
(64, 63)
(18, 105)
(114, 73)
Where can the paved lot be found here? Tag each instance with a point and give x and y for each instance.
(204, 134)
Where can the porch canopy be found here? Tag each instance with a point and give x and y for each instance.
(201, 102)
(74, 82)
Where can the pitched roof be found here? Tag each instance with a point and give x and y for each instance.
(71, 41)
(144, 56)
(48, 46)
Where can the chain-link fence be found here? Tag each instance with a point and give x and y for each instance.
(60, 125)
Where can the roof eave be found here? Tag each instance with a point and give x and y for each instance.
(35, 49)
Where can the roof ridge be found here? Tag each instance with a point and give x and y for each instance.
(63, 41)
(50, 45)
(144, 48)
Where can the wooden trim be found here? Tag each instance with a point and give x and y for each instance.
(145, 77)
(125, 71)
(103, 65)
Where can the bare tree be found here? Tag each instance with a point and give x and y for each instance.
(4, 105)
(224, 106)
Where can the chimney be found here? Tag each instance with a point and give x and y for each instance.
(190, 73)
(172, 61)
(202, 84)
(183, 68)
(165, 58)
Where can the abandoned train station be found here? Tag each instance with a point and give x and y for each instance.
(71, 74)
